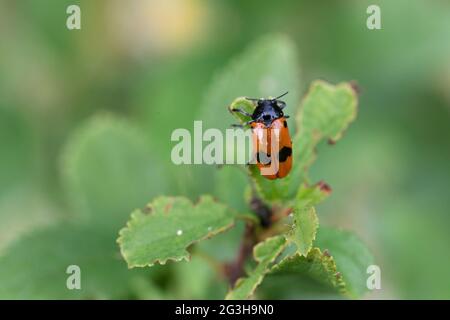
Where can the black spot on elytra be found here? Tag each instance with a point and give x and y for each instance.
(284, 153)
(263, 158)
(285, 124)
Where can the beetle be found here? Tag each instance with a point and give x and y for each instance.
(267, 122)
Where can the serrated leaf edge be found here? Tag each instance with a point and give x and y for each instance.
(289, 236)
(137, 213)
(328, 263)
(299, 114)
(263, 273)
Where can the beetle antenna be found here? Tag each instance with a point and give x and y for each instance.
(282, 95)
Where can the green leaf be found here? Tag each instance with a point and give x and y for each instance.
(317, 265)
(265, 254)
(35, 266)
(338, 259)
(295, 286)
(351, 255)
(167, 226)
(324, 114)
(109, 169)
(223, 247)
(302, 234)
(244, 104)
(304, 229)
(312, 195)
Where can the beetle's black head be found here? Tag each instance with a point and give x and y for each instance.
(268, 110)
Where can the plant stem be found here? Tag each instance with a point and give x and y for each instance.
(234, 270)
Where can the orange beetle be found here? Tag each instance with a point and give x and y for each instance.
(272, 145)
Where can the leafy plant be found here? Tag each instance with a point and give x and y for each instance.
(103, 161)
(281, 225)
(239, 239)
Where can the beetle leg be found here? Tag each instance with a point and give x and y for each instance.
(242, 125)
(242, 112)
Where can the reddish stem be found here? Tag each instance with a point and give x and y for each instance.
(235, 269)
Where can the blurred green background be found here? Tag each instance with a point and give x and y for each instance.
(145, 66)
